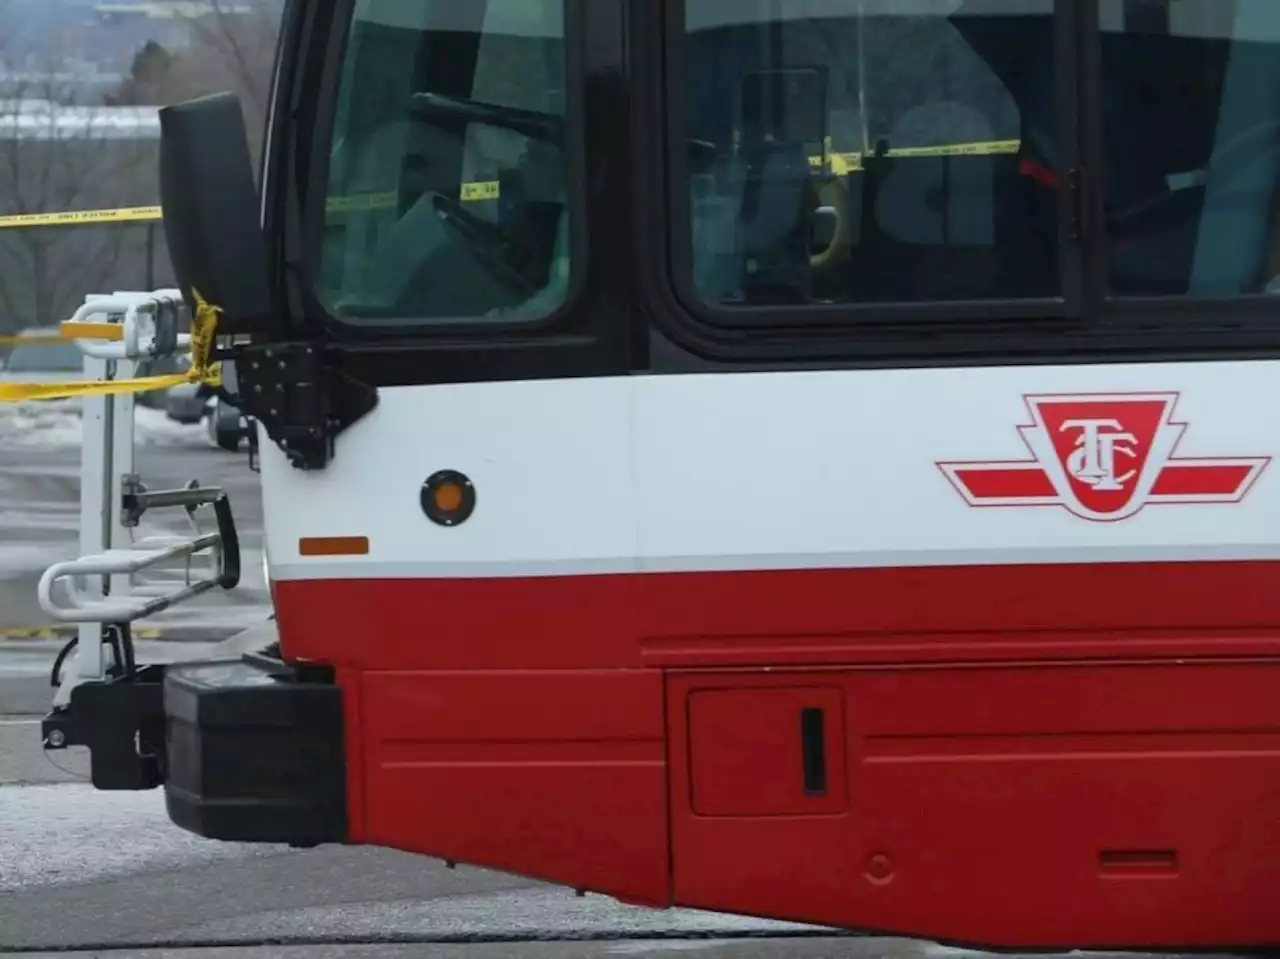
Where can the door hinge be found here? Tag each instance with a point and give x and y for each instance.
(302, 401)
(1078, 224)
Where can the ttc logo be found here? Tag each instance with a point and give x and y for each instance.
(1103, 458)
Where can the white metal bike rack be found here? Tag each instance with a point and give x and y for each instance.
(102, 590)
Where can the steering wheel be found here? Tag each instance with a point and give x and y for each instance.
(485, 242)
(546, 127)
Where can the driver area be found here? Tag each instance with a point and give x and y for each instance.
(449, 164)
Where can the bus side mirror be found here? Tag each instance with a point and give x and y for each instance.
(211, 212)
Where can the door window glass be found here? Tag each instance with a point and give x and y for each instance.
(1191, 135)
(871, 151)
(448, 189)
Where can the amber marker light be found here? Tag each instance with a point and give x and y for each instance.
(448, 498)
(333, 546)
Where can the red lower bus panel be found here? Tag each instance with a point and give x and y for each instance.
(1022, 807)
(555, 775)
(968, 754)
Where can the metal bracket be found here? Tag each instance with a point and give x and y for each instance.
(118, 711)
(149, 325)
(255, 463)
(85, 607)
(130, 487)
(121, 720)
(302, 402)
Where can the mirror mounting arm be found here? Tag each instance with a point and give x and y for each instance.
(303, 403)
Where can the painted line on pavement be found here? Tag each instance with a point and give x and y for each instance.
(175, 633)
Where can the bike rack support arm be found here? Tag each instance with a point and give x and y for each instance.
(88, 609)
(149, 325)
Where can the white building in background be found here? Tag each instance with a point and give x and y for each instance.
(37, 119)
(170, 9)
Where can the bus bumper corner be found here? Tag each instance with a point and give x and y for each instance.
(255, 752)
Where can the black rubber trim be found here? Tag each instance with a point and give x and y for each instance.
(230, 577)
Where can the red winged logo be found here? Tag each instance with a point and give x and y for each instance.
(1104, 457)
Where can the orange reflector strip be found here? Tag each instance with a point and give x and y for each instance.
(91, 331)
(333, 546)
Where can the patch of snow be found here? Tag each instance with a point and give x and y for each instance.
(51, 423)
(56, 424)
(20, 559)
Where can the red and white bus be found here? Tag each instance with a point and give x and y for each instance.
(799, 458)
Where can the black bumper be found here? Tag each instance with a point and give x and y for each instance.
(248, 750)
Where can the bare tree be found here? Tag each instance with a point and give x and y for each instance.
(231, 46)
(59, 158)
(232, 49)
(234, 41)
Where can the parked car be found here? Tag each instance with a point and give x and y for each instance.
(40, 355)
(187, 402)
(160, 399)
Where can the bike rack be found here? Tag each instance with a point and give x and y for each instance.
(101, 591)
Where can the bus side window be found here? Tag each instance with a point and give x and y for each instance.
(917, 153)
(1191, 126)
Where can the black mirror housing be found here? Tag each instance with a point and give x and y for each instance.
(211, 212)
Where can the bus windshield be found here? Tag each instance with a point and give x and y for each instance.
(447, 171)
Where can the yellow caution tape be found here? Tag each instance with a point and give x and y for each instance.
(136, 214)
(362, 202)
(203, 330)
(470, 193)
(26, 392)
(67, 331)
(478, 192)
(485, 190)
(844, 163)
(206, 320)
